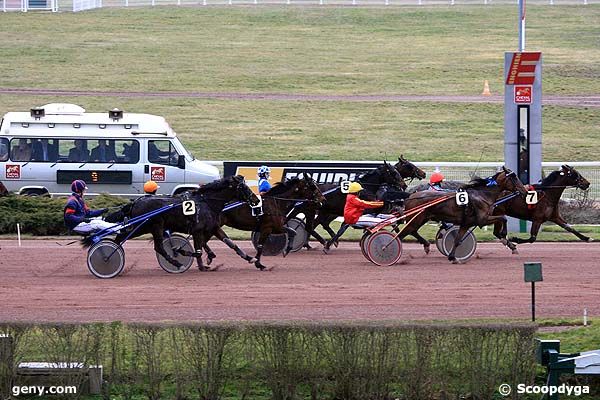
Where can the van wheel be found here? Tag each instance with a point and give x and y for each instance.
(35, 192)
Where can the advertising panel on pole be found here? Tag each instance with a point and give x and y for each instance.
(523, 94)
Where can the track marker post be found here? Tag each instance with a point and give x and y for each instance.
(19, 234)
(533, 274)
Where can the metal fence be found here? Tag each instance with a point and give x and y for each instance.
(81, 5)
(464, 171)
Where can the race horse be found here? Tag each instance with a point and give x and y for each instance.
(276, 203)
(482, 193)
(546, 209)
(333, 206)
(209, 199)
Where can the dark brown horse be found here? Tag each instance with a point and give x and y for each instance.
(482, 193)
(333, 206)
(209, 200)
(546, 209)
(276, 204)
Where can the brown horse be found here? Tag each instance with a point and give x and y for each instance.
(482, 193)
(277, 202)
(546, 209)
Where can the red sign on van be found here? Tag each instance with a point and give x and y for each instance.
(157, 174)
(13, 171)
(523, 94)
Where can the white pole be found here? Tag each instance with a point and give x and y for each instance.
(19, 234)
(521, 25)
(585, 317)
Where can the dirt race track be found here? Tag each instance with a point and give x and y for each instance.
(42, 281)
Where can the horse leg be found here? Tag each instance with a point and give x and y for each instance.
(310, 228)
(210, 255)
(335, 237)
(563, 224)
(501, 232)
(325, 221)
(535, 228)
(422, 241)
(157, 236)
(261, 241)
(198, 244)
(222, 236)
(462, 231)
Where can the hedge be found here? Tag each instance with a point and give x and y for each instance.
(43, 216)
(210, 361)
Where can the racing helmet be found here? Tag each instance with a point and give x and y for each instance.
(150, 187)
(354, 187)
(436, 177)
(263, 170)
(78, 186)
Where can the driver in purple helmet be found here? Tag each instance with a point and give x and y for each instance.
(78, 217)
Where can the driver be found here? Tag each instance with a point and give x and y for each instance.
(353, 212)
(263, 173)
(435, 181)
(150, 188)
(77, 215)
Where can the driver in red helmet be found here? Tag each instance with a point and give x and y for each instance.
(435, 181)
(78, 217)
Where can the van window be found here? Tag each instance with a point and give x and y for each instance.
(3, 149)
(162, 152)
(20, 149)
(73, 150)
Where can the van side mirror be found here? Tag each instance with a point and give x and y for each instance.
(181, 162)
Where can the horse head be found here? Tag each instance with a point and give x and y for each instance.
(390, 175)
(312, 189)
(243, 191)
(574, 178)
(231, 188)
(508, 180)
(406, 169)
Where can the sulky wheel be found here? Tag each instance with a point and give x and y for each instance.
(465, 249)
(274, 245)
(439, 241)
(363, 244)
(179, 248)
(301, 237)
(384, 248)
(106, 259)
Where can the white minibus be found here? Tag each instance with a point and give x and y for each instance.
(44, 150)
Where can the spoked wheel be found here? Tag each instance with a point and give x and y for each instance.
(465, 249)
(363, 244)
(301, 237)
(384, 248)
(176, 246)
(274, 245)
(106, 259)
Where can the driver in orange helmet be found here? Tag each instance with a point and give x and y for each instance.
(151, 187)
(435, 181)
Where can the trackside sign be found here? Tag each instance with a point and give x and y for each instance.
(321, 172)
(522, 68)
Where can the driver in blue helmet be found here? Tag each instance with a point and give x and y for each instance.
(77, 215)
(263, 173)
